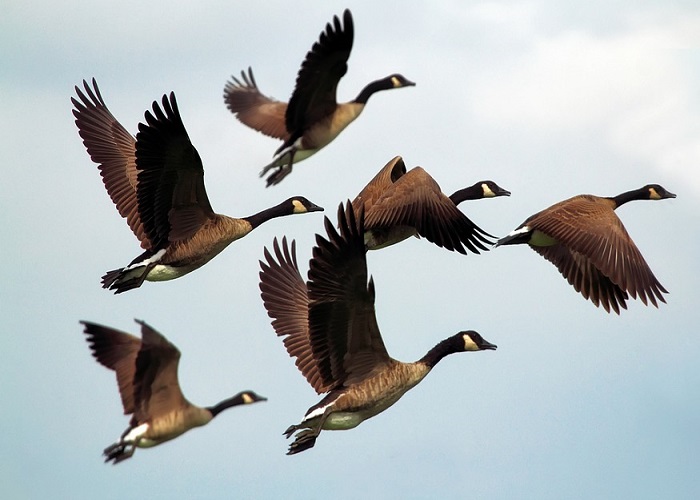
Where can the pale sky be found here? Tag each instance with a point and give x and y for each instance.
(547, 100)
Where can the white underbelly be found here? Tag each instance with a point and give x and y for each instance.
(165, 272)
(341, 421)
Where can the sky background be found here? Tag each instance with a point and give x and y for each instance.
(547, 100)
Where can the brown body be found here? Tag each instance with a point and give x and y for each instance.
(156, 181)
(586, 240)
(146, 371)
(329, 326)
(398, 204)
(313, 118)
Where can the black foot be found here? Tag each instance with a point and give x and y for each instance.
(304, 440)
(291, 430)
(276, 177)
(282, 170)
(118, 452)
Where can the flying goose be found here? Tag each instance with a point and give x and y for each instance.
(398, 204)
(156, 181)
(313, 117)
(329, 326)
(587, 242)
(146, 372)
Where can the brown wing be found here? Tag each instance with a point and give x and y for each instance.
(156, 387)
(580, 272)
(314, 96)
(117, 351)
(416, 200)
(284, 295)
(252, 108)
(172, 198)
(114, 150)
(588, 225)
(343, 330)
(385, 178)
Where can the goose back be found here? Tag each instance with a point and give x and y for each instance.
(400, 203)
(254, 109)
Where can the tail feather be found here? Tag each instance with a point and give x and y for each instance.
(515, 238)
(110, 277)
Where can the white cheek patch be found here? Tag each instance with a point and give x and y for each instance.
(395, 82)
(299, 208)
(247, 399)
(469, 344)
(488, 193)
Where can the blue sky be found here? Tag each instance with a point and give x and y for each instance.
(548, 101)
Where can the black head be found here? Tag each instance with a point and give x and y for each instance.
(491, 189)
(248, 397)
(397, 81)
(300, 205)
(657, 192)
(475, 342)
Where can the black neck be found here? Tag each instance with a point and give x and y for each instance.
(474, 192)
(270, 213)
(637, 194)
(371, 88)
(225, 404)
(450, 345)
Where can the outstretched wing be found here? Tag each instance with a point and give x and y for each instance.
(385, 178)
(343, 330)
(586, 279)
(172, 198)
(314, 96)
(253, 108)
(114, 150)
(592, 231)
(284, 295)
(117, 351)
(416, 200)
(156, 387)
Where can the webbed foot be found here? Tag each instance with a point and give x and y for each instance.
(304, 440)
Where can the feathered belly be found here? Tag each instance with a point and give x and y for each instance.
(370, 398)
(384, 237)
(180, 260)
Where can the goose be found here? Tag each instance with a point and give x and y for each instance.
(146, 371)
(313, 117)
(586, 240)
(329, 326)
(399, 203)
(156, 181)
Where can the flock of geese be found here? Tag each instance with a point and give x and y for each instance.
(328, 322)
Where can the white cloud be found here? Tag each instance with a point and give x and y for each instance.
(633, 87)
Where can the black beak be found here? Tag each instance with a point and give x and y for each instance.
(488, 345)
